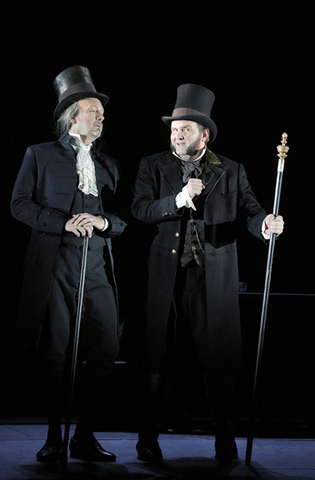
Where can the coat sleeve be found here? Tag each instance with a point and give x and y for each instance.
(149, 204)
(25, 205)
(112, 199)
(116, 225)
(249, 207)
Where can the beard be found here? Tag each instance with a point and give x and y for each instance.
(191, 150)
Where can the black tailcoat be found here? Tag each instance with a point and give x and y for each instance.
(228, 198)
(42, 198)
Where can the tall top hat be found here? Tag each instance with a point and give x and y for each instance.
(194, 103)
(73, 84)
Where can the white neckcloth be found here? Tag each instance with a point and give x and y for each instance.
(85, 166)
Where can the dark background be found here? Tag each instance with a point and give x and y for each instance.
(257, 58)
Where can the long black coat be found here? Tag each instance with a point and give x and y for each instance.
(228, 199)
(42, 198)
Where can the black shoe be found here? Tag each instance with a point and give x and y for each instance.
(91, 450)
(226, 451)
(50, 452)
(149, 452)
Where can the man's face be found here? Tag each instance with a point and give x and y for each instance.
(89, 122)
(187, 140)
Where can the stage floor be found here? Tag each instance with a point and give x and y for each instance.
(185, 457)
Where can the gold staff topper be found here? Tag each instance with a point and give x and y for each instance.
(283, 150)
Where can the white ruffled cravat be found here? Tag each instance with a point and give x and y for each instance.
(85, 166)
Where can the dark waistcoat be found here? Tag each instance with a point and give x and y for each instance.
(193, 248)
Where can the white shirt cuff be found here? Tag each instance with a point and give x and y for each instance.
(105, 224)
(183, 199)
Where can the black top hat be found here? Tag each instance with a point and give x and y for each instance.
(73, 84)
(194, 103)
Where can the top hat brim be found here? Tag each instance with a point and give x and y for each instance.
(201, 119)
(75, 97)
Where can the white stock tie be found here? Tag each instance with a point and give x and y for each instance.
(85, 167)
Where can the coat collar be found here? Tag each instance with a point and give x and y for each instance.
(68, 159)
(65, 140)
(212, 159)
(68, 153)
(170, 170)
(65, 149)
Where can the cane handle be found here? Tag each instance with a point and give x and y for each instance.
(282, 152)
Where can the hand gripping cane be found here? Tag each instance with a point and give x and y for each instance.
(64, 453)
(282, 149)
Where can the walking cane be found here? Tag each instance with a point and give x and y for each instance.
(282, 149)
(64, 453)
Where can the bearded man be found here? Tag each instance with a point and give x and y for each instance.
(193, 202)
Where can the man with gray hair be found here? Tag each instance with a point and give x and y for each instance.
(66, 190)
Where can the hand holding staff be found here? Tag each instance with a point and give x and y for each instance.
(283, 150)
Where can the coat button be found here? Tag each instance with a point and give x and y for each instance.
(176, 234)
(174, 251)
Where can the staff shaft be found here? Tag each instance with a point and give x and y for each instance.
(282, 149)
(64, 455)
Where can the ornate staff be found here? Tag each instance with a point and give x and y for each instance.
(283, 150)
(64, 453)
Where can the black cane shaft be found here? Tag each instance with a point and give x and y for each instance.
(277, 194)
(260, 350)
(265, 307)
(64, 455)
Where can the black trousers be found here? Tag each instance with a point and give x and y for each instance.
(186, 349)
(187, 332)
(98, 334)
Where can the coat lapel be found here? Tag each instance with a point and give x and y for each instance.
(169, 168)
(212, 174)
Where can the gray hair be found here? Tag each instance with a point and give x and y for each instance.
(64, 122)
